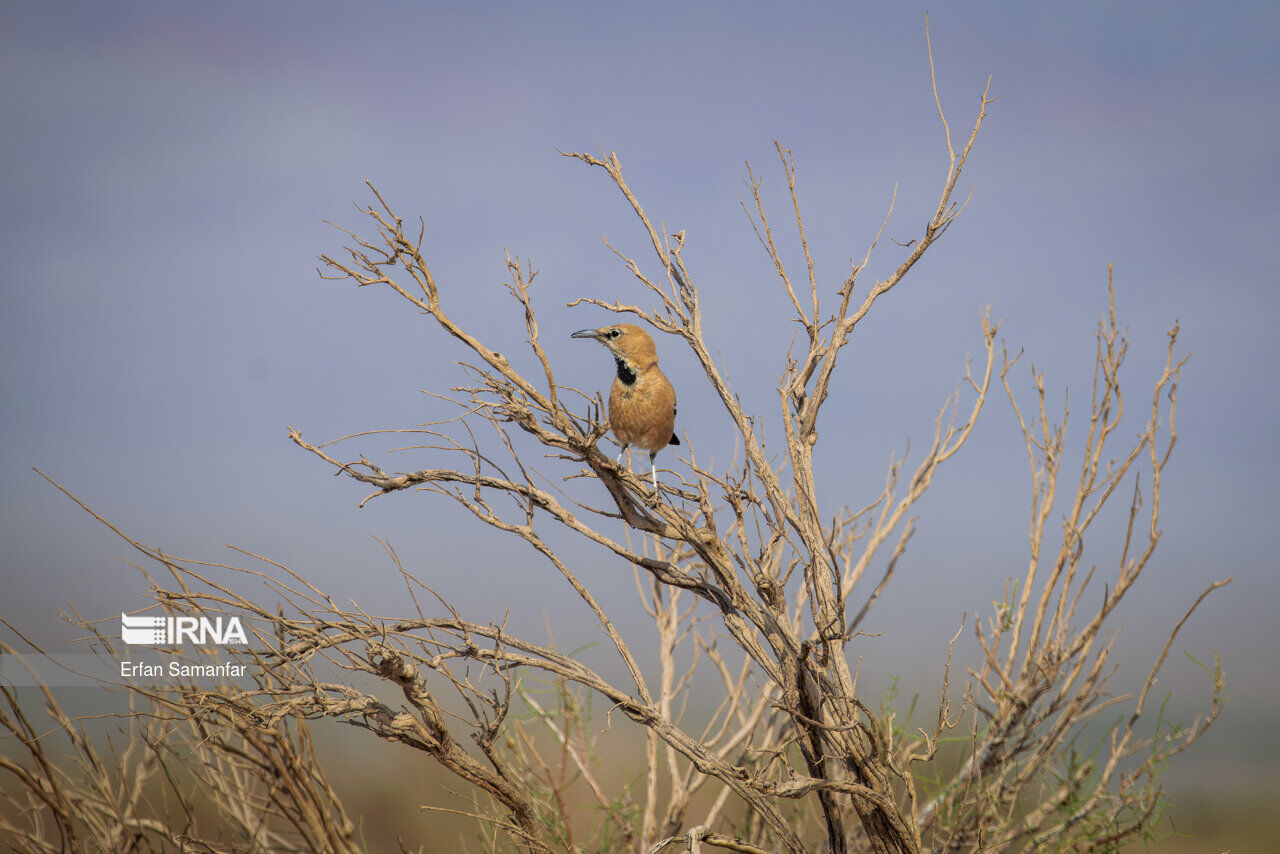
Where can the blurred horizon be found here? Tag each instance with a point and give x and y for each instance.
(173, 170)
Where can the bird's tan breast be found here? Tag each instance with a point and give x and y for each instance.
(643, 413)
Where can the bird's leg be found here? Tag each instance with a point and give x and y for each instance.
(653, 471)
(618, 461)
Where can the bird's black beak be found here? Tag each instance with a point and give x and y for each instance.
(586, 333)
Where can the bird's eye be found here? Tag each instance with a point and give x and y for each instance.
(614, 333)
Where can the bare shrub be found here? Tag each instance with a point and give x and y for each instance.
(742, 571)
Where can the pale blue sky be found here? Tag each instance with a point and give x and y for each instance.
(169, 168)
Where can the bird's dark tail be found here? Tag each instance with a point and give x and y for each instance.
(675, 440)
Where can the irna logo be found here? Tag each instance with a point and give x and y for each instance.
(170, 631)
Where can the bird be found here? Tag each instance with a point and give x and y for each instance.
(642, 402)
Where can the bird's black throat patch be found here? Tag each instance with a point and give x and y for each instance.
(626, 373)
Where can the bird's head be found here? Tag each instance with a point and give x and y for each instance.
(626, 342)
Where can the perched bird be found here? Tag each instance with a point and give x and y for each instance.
(642, 403)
